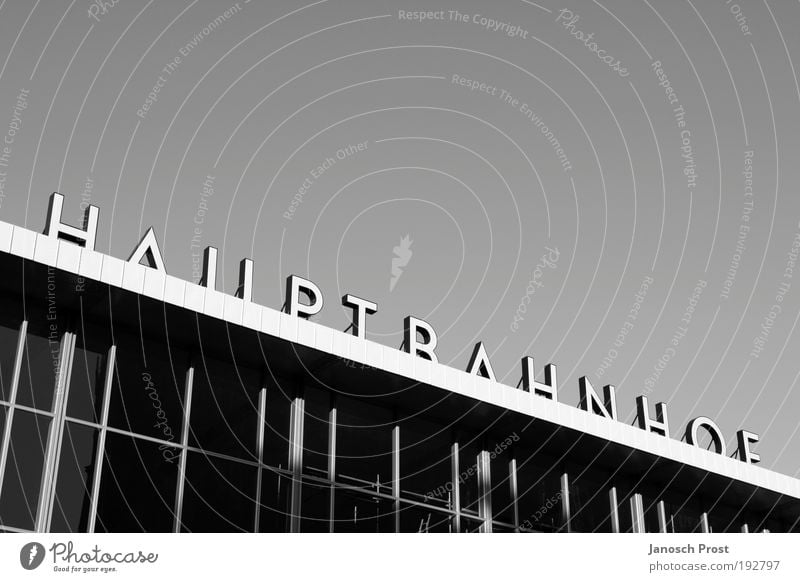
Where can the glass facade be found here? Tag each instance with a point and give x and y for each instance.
(124, 433)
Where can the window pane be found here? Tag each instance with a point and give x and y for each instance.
(147, 392)
(8, 353)
(315, 507)
(417, 519)
(275, 490)
(356, 511)
(425, 466)
(363, 444)
(74, 484)
(224, 409)
(590, 508)
(86, 383)
(539, 487)
(500, 462)
(219, 495)
(316, 430)
(468, 474)
(137, 487)
(276, 431)
(37, 379)
(23, 476)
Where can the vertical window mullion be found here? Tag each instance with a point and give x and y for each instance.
(12, 397)
(262, 420)
(296, 459)
(187, 409)
(614, 507)
(332, 459)
(396, 475)
(512, 476)
(56, 433)
(565, 508)
(101, 439)
(455, 475)
(485, 490)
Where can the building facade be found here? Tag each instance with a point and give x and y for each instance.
(133, 401)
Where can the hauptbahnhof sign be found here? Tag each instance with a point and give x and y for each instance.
(304, 299)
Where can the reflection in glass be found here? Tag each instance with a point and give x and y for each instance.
(23, 472)
(37, 379)
(137, 486)
(224, 416)
(415, 518)
(425, 466)
(275, 490)
(358, 511)
(363, 444)
(74, 481)
(219, 495)
(8, 353)
(86, 384)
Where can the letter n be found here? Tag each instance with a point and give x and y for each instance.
(590, 401)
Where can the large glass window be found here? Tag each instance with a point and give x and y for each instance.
(8, 353)
(425, 465)
(500, 461)
(219, 495)
(469, 489)
(315, 506)
(87, 379)
(137, 487)
(590, 508)
(224, 413)
(275, 491)
(74, 482)
(276, 431)
(357, 511)
(148, 388)
(539, 489)
(23, 472)
(423, 519)
(316, 432)
(37, 380)
(363, 444)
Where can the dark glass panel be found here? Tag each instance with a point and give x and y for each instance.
(275, 492)
(74, 483)
(315, 507)
(316, 430)
(590, 508)
(418, 519)
(357, 511)
(425, 465)
(468, 474)
(85, 399)
(219, 495)
(539, 489)
(23, 472)
(500, 463)
(37, 379)
(363, 444)
(9, 338)
(147, 391)
(137, 487)
(276, 431)
(224, 416)
(469, 525)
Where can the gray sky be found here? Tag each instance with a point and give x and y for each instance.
(577, 182)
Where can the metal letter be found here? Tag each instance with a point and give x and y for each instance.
(590, 401)
(479, 363)
(424, 349)
(660, 426)
(713, 430)
(148, 249)
(361, 307)
(245, 289)
(209, 278)
(745, 438)
(294, 285)
(529, 384)
(55, 228)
